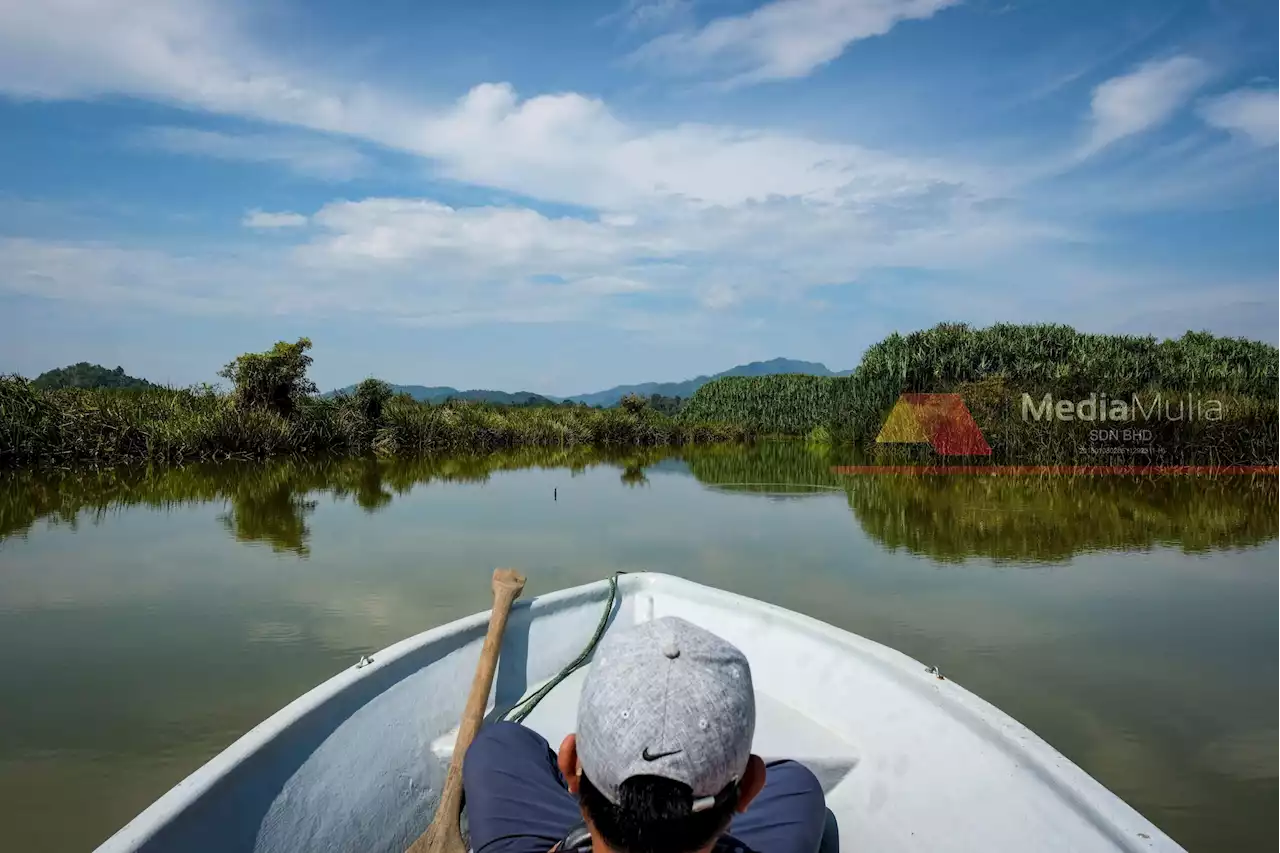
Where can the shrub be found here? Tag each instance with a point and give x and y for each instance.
(275, 380)
(819, 436)
(371, 395)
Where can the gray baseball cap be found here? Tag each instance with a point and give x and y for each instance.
(666, 698)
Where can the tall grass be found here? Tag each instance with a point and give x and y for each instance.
(1075, 363)
(166, 425)
(787, 404)
(992, 367)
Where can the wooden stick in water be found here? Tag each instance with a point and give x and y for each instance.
(444, 835)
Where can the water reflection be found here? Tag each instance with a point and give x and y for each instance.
(1018, 519)
(270, 502)
(1029, 519)
(945, 518)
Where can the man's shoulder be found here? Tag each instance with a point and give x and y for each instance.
(729, 844)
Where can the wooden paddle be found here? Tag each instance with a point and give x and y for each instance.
(444, 835)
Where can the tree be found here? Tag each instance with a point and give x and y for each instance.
(275, 380)
(665, 405)
(371, 396)
(633, 403)
(86, 375)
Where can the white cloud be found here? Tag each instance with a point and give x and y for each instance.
(264, 219)
(307, 155)
(74, 48)
(97, 273)
(194, 53)
(283, 282)
(821, 243)
(571, 148)
(1251, 113)
(781, 40)
(563, 147)
(560, 147)
(419, 261)
(492, 239)
(718, 295)
(1143, 99)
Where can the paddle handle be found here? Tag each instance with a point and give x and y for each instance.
(445, 833)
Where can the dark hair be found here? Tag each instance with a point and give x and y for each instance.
(654, 815)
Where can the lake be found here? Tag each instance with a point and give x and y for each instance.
(149, 618)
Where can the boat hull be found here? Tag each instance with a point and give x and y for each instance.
(908, 761)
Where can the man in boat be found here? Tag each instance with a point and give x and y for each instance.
(661, 762)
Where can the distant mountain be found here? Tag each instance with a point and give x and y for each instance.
(86, 375)
(686, 388)
(440, 393)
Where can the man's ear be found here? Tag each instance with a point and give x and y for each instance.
(752, 782)
(567, 761)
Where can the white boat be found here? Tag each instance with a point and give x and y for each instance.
(909, 761)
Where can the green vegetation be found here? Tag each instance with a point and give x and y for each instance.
(819, 436)
(666, 405)
(274, 381)
(1073, 362)
(784, 404)
(536, 401)
(272, 410)
(86, 375)
(992, 368)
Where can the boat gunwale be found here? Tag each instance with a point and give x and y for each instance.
(202, 780)
(1084, 794)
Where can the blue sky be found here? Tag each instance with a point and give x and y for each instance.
(566, 196)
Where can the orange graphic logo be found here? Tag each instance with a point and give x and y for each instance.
(942, 420)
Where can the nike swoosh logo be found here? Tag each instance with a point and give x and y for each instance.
(654, 756)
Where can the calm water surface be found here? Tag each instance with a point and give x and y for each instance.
(149, 619)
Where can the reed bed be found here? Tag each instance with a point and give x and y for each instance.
(992, 368)
(76, 426)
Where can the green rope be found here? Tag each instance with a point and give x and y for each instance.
(524, 707)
